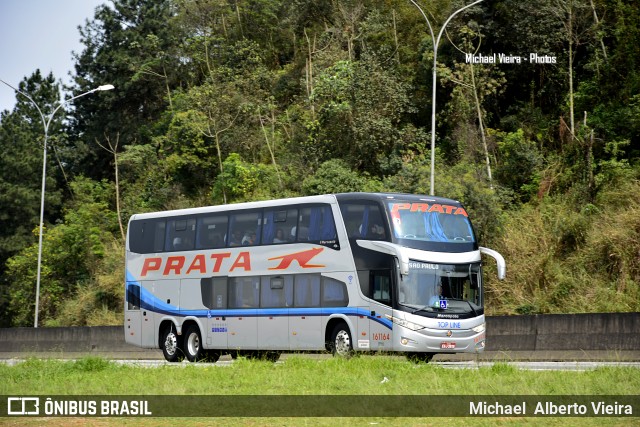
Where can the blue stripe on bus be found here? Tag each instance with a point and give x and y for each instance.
(150, 302)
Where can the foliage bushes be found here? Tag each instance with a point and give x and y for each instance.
(565, 259)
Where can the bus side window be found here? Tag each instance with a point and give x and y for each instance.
(214, 292)
(381, 286)
(147, 236)
(334, 293)
(244, 292)
(276, 291)
(211, 231)
(133, 296)
(316, 224)
(364, 220)
(277, 225)
(245, 229)
(181, 233)
(306, 291)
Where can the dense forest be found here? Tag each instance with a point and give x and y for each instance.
(538, 134)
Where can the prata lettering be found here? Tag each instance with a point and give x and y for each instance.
(216, 262)
(426, 207)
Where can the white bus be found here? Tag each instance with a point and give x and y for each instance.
(343, 272)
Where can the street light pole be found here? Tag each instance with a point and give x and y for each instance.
(45, 123)
(436, 42)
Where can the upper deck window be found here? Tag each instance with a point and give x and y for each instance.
(364, 220)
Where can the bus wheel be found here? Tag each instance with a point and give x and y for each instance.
(420, 357)
(341, 344)
(171, 345)
(193, 344)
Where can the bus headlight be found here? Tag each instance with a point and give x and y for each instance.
(479, 328)
(405, 323)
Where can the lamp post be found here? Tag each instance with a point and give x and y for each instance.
(46, 121)
(436, 42)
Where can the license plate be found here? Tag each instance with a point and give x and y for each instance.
(447, 345)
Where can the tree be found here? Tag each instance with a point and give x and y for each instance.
(361, 107)
(131, 45)
(71, 253)
(477, 83)
(573, 15)
(334, 176)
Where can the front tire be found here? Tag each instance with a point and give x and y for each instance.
(341, 342)
(171, 345)
(193, 344)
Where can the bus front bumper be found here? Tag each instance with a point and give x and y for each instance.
(441, 340)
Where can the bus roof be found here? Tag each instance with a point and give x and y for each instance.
(394, 196)
(328, 198)
(325, 198)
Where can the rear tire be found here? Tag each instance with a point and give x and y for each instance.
(171, 344)
(341, 342)
(193, 344)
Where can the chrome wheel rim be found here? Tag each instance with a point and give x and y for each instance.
(193, 344)
(171, 344)
(343, 343)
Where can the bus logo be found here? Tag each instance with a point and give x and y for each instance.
(302, 258)
(23, 406)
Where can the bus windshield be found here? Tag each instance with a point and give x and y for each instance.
(441, 288)
(430, 222)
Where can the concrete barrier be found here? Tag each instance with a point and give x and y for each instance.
(555, 336)
(553, 332)
(70, 342)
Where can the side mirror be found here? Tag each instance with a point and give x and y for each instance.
(502, 265)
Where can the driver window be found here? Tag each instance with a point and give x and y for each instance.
(381, 286)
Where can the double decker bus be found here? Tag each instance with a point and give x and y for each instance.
(341, 272)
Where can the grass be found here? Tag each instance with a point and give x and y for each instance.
(304, 375)
(365, 375)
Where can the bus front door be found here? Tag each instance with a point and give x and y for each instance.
(380, 327)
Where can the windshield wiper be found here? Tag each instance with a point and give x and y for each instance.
(422, 308)
(475, 313)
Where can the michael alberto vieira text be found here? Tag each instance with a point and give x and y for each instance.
(550, 408)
